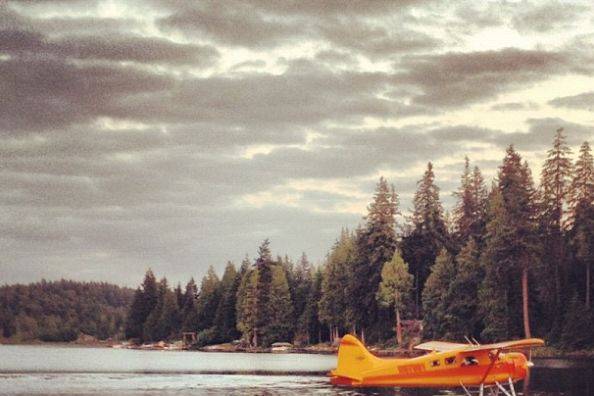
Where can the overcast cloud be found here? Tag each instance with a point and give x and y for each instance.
(178, 135)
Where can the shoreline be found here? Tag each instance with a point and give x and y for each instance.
(539, 354)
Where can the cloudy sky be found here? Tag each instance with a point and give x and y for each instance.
(153, 133)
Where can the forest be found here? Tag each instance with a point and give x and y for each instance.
(62, 310)
(512, 259)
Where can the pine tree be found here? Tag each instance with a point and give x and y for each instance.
(169, 321)
(310, 326)
(435, 294)
(395, 289)
(512, 249)
(335, 283)
(429, 234)
(495, 301)
(135, 321)
(189, 313)
(279, 316)
(554, 187)
(225, 317)
(470, 209)
(302, 275)
(154, 329)
(463, 317)
(581, 215)
(246, 305)
(577, 328)
(375, 245)
(207, 302)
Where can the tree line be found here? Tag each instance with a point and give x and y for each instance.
(62, 310)
(511, 260)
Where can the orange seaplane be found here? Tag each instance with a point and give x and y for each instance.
(492, 366)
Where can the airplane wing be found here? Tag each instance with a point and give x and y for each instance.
(442, 346)
(507, 345)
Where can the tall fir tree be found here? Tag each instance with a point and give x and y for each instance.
(310, 327)
(333, 305)
(154, 329)
(302, 275)
(189, 313)
(279, 318)
(225, 317)
(375, 245)
(429, 234)
(471, 205)
(145, 300)
(462, 309)
(246, 304)
(208, 298)
(435, 294)
(512, 249)
(581, 218)
(554, 188)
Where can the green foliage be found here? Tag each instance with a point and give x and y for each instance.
(62, 310)
(375, 244)
(435, 295)
(462, 305)
(335, 300)
(395, 289)
(225, 317)
(577, 329)
(429, 233)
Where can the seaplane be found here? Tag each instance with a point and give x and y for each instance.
(471, 366)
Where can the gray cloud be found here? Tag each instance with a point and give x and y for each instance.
(135, 140)
(455, 79)
(584, 101)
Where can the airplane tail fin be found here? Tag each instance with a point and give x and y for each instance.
(353, 359)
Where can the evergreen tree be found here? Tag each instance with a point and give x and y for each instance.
(375, 245)
(554, 186)
(310, 326)
(495, 302)
(512, 249)
(581, 215)
(189, 313)
(463, 317)
(302, 275)
(135, 321)
(335, 283)
(435, 294)
(471, 206)
(395, 289)
(225, 315)
(207, 302)
(577, 328)
(246, 305)
(429, 234)
(581, 189)
(154, 328)
(169, 321)
(277, 325)
(145, 300)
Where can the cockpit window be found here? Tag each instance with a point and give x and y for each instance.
(450, 360)
(470, 361)
(435, 363)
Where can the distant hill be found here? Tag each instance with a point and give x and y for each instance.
(63, 310)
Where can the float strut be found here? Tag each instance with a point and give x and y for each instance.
(505, 392)
(511, 386)
(465, 390)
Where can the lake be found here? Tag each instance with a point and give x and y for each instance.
(54, 370)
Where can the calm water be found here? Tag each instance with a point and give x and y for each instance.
(50, 370)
